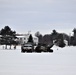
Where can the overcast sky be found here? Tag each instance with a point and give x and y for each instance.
(38, 15)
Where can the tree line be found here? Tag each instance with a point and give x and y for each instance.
(57, 38)
(8, 37)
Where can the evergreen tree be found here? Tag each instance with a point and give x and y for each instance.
(30, 39)
(60, 40)
(54, 32)
(8, 36)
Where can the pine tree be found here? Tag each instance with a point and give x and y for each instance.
(8, 36)
(30, 39)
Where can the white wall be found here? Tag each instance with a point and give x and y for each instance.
(24, 39)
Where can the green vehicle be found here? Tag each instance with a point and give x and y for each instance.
(43, 48)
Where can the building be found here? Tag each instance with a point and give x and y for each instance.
(24, 39)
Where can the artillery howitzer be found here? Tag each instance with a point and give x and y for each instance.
(44, 48)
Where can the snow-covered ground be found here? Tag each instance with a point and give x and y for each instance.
(61, 62)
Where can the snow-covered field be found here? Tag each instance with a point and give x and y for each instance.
(61, 62)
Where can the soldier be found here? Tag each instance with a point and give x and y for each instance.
(15, 47)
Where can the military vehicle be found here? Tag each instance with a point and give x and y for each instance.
(27, 47)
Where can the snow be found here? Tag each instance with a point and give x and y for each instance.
(61, 62)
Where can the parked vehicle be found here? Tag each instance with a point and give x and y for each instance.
(27, 47)
(43, 48)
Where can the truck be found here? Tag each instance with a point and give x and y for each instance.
(27, 47)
